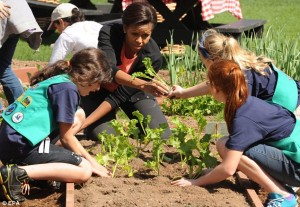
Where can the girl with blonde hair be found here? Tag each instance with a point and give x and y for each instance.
(264, 80)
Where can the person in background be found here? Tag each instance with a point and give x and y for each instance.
(27, 144)
(75, 33)
(263, 138)
(126, 45)
(17, 21)
(264, 80)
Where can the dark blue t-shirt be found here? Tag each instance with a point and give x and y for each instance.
(262, 86)
(257, 121)
(64, 98)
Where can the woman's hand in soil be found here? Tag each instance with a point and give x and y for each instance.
(183, 182)
(176, 92)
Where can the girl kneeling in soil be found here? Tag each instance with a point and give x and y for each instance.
(263, 138)
(50, 105)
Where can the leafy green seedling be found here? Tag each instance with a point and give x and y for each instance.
(149, 73)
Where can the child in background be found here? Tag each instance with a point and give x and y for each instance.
(50, 105)
(75, 33)
(263, 138)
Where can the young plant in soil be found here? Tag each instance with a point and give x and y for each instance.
(194, 151)
(116, 149)
(149, 73)
(186, 107)
(152, 136)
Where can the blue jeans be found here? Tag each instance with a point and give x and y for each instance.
(274, 162)
(11, 85)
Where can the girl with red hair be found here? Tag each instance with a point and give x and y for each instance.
(262, 141)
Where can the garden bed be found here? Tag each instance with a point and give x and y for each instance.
(144, 188)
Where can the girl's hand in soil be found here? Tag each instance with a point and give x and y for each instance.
(176, 92)
(183, 182)
(100, 170)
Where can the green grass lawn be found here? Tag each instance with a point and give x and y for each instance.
(280, 15)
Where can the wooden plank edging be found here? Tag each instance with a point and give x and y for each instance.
(252, 195)
(70, 202)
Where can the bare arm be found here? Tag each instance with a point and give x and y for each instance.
(197, 90)
(221, 172)
(70, 142)
(97, 114)
(153, 87)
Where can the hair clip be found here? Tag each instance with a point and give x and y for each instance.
(201, 45)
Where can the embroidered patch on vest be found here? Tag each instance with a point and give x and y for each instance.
(20, 97)
(10, 108)
(17, 117)
(26, 101)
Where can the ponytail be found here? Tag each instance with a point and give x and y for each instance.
(58, 68)
(86, 67)
(214, 45)
(227, 76)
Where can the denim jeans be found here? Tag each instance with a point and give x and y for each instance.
(11, 85)
(276, 164)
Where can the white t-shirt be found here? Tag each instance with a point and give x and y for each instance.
(75, 37)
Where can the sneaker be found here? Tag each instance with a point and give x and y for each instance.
(14, 182)
(276, 200)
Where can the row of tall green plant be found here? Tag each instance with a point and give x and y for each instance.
(285, 52)
(187, 70)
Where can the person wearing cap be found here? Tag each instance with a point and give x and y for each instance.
(264, 80)
(16, 22)
(75, 33)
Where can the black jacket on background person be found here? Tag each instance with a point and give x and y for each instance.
(111, 41)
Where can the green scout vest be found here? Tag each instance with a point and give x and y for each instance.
(290, 146)
(286, 92)
(31, 114)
